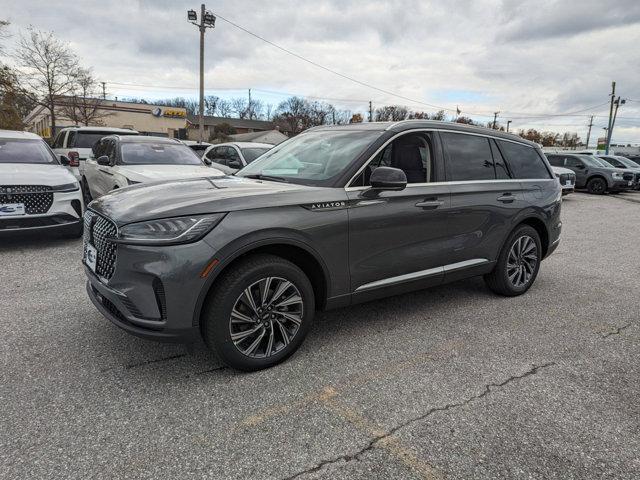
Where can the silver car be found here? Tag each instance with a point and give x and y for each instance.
(232, 156)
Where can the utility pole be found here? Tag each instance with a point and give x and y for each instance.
(104, 90)
(370, 111)
(613, 120)
(589, 131)
(613, 96)
(495, 116)
(249, 107)
(207, 20)
(508, 122)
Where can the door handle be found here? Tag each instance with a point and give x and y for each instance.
(430, 204)
(506, 198)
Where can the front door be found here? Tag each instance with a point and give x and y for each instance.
(396, 238)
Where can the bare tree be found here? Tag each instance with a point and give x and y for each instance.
(48, 68)
(224, 108)
(83, 105)
(240, 107)
(391, 113)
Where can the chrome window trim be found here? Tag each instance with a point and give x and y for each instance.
(421, 274)
(431, 130)
(460, 182)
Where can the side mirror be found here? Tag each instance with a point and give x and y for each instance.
(580, 167)
(104, 161)
(207, 161)
(64, 160)
(388, 178)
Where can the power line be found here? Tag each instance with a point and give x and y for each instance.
(335, 72)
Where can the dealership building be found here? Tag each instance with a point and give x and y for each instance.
(145, 118)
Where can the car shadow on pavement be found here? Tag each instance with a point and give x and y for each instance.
(32, 241)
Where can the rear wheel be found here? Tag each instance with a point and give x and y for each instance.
(518, 263)
(258, 313)
(597, 186)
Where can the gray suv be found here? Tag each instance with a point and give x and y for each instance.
(332, 217)
(594, 174)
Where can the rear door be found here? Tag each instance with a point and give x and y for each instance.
(396, 238)
(484, 200)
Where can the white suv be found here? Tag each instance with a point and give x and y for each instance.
(121, 161)
(36, 191)
(76, 143)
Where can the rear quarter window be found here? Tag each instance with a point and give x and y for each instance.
(468, 157)
(524, 161)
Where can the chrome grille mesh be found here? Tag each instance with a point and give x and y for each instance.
(37, 199)
(97, 230)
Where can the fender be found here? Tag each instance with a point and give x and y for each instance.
(230, 252)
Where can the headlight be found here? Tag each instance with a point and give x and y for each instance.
(67, 187)
(169, 231)
(617, 175)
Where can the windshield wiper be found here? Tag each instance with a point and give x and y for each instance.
(260, 176)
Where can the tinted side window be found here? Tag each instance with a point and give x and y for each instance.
(556, 160)
(468, 157)
(573, 162)
(71, 140)
(501, 168)
(523, 161)
(59, 140)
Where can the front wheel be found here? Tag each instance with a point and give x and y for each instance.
(518, 263)
(597, 186)
(258, 312)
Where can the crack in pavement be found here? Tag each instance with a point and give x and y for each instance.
(146, 362)
(616, 331)
(386, 440)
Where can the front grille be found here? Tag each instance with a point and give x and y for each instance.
(567, 176)
(97, 231)
(627, 176)
(637, 179)
(37, 199)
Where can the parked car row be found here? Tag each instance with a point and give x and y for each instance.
(597, 174)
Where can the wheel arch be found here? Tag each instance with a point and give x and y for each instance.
(298, 253)
(540, 227)
(596, 175)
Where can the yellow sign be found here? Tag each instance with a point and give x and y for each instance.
(169, 112)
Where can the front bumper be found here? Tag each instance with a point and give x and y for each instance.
(65, 213)
(153, 291)
(620, 185)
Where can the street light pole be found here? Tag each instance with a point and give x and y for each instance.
(508, 122)
(207, 20)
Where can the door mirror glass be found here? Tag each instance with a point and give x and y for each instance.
(206, 161)
(104, 160)
(388, 178)
(64, 160)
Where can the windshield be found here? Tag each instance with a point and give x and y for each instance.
(25, 151)
(626, 162)
(607, 162)
(88, 139)
(596, 161)
(158, 154)
(312, 158)
(250, 154)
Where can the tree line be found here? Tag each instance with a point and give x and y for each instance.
(48, 73)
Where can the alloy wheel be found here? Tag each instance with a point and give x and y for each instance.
(522, 261)
(266, 317)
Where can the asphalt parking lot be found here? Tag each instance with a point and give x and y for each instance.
(452, 382)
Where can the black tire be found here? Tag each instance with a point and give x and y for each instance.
(86, 193)
(597, 186)
(251, 273)
(499, 280)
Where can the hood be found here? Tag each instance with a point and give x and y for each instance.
(34, 174)
(562, 170)
(150, 173)
(198, 196)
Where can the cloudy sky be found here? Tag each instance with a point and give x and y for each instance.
(533, 61)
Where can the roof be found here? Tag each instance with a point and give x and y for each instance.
(145, 139)
(15, 134)
(101, 129)
(253, 135)
(246, 144)
(234, 122)
(404, 125)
